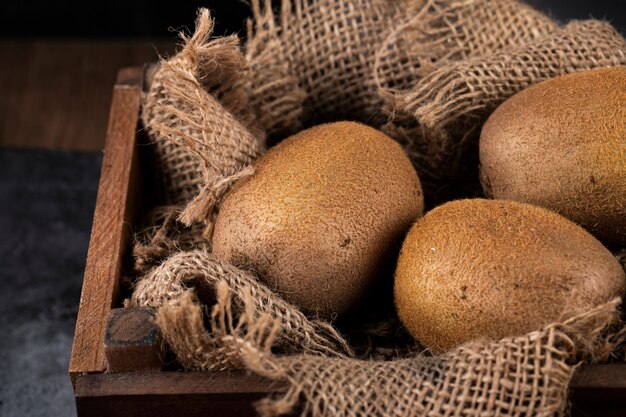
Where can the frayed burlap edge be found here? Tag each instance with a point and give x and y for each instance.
(162, 235)
(442, 114)
(525, 375)
(519, 376)
(219, 69)
(182, 324)
(275, 93)
(201, 107)
(200, 271)
(474, 87)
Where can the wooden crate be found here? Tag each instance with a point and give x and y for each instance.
(116, 366)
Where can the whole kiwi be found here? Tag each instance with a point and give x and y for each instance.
(487, 269)
(323, 215)
(561, 144)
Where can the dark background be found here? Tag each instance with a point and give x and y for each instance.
(58, 62)
(149, 18)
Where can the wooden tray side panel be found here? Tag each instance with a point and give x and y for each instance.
(116, 201)
(599, 390)
(596, 390)
(165, 393)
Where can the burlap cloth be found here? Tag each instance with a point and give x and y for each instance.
(428, 72)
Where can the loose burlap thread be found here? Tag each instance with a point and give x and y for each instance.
(438, 34)
(163, 235)
(516, 376)
(208, 112)
(167, 285)
(473, 88)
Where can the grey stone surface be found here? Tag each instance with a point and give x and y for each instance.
(46, 207)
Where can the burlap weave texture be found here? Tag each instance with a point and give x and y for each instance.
(251, 327)
(198, 115)
(439, 118)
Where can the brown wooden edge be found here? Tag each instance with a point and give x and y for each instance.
(599, 390)
(110, 230)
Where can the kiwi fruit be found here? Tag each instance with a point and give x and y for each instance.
(487, 269)
(561, 144)
(322, 216)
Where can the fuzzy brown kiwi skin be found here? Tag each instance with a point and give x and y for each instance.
(318, 218)
(487, 269)
(561, 144)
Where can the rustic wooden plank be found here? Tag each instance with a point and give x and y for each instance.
(161, 394)
(115, 205)
(599, 390)
(174, 382)
(184, 405)
(56, 93)
(610, 376)
(132, 341)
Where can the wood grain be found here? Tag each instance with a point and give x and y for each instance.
(601, 377)
(161, 394)
(599, 390)
(56, 94)
(132, 341)
(115, 204)
(174, 382)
